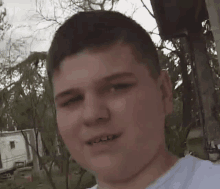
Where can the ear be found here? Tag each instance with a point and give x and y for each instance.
(165, 85)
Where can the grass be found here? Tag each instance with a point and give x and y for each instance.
(59, 180)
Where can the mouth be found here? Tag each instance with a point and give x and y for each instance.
(103, 140)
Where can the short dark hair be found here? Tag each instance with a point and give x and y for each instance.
(94, 29)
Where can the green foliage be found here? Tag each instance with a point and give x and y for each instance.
(8, 185)
(177, 129)
(196, 145)
(175, 134)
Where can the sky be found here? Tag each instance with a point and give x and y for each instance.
(21, 14)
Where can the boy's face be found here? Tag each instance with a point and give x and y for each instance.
(131, 105)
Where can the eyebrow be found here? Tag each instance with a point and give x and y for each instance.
(106, 79)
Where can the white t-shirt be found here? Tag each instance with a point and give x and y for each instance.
(189, 172)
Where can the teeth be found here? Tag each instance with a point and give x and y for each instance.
(103, 139)
(97, 140)
(110, 137)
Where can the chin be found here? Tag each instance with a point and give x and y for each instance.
(113, 175)
(105, 168)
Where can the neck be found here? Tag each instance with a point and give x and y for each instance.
(158, 166)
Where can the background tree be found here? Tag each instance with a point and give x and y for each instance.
(26, 96)
(183, 66)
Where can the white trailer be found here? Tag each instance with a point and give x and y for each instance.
(14, 148)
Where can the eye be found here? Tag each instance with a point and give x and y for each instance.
(72, 101)
(120, 87)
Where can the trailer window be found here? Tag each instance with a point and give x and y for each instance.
(12, 144)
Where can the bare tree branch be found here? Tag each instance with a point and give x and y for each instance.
(40, 159)
(151, 32)
(147, 9)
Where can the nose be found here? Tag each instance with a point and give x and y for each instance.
(95, 111)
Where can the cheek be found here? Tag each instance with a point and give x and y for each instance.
(67, 124)
(142, 111)
(67, 119)
(118, 105)
(137, 107)
(63, 122)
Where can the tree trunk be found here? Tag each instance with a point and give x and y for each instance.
(36, 166)
(37, 158)
(205, 85)
(67, 173)
(213, 7)
(187, 88)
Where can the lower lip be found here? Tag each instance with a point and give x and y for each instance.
(103, 146)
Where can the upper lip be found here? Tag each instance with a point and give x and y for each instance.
(92, 139)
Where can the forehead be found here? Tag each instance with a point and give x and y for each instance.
(111, 58)
(88, 66)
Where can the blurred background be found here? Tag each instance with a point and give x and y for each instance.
(32, 153)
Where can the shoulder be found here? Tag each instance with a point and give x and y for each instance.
(205, 174)
(206, 165)
(94, 187)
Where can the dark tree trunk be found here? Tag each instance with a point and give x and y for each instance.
(187, 88)
(205, 82)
